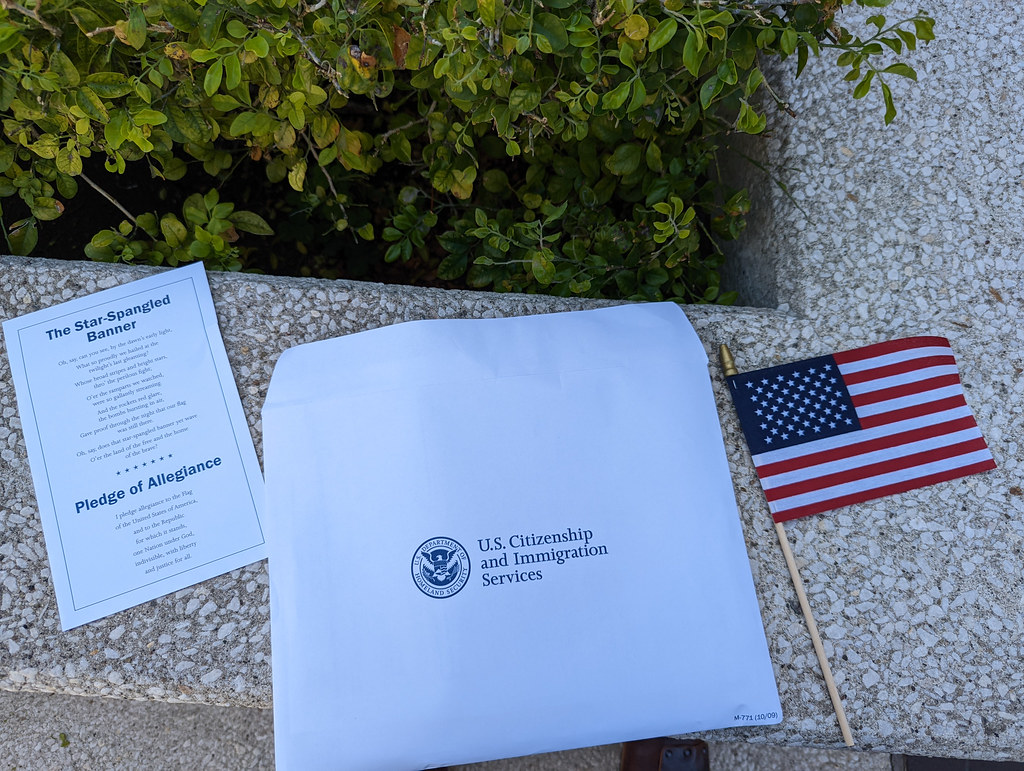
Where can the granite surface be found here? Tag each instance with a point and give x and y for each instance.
(74, 733)
(889, 232)
(914, 228)
(916, 595)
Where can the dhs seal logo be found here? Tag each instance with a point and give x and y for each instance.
(440, 567)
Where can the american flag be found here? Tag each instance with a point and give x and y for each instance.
(841, 429)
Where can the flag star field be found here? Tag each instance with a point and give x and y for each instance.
(845, 428)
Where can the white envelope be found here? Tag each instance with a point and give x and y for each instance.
(500, 537)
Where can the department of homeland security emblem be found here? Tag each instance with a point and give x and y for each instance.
(440, 567)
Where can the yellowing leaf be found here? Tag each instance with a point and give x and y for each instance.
(69, 161)
(297, 176)
(636, 27)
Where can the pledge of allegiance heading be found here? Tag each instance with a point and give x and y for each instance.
(86, 325)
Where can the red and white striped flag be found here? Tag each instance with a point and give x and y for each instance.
(841, 429)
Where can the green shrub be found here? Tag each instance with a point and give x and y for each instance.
(557, 146)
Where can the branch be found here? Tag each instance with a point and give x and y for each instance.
(109, 197)
(388, 134)
(326, 69)
(163, 28)
(10, 5)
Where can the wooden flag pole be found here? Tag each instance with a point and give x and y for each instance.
(729, 368)
(812, 627)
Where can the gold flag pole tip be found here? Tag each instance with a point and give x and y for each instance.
(728, 364)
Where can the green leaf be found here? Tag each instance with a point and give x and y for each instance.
(180, 14)
(662, 34)
(23, 237)
(232, 72)
(462, 182)
(91, 104)
(802, 56)
(543, 268)
(47, 146)
(754, 80)
(627, 52)
(46, 208)
(7, 154)
(616, 97)
(148, 223)
(904, 70)
(625, 160)
(893, 43)
(452, 267)
(488, 10)
(62, 65)
(69, 161)
(201, 55)
(115, 132)
(653, 157)
(524, 98)
(250, 222)
(693, 52)
(148, 117)
(908, 38)
(495, 181)
(552, 29)
(209, 22)
(188, 123)
(194, 210)
(890, 107)
(297, 176)
(710, 16)
(864, 86)
(636, 27)
(214, 74)
(712, 86)
(109, 85)
(656, 276)
(224, 102)
(788, 41)
(174, 232)
(237, 29)
(639, 96)
(923, 28)
(251, 123)
(749, 121)
(136, 31)
(727, 72)
(258, 46)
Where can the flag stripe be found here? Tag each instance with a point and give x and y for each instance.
(783, 511)
(871, 470)
(884, 360)
(911, 406)
(869, 440)
(953, 412)
(853, 377)
(907, 347)
(887, 392)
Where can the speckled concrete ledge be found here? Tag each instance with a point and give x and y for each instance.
(917, 595)
(914, 228)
